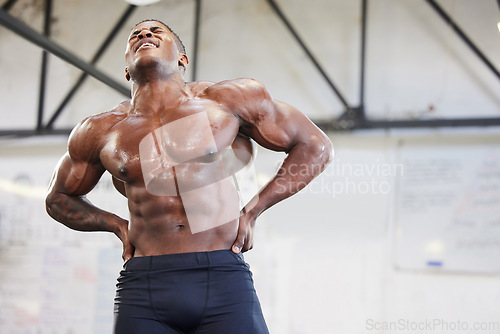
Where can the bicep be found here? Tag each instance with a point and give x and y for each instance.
(80, 168)
(278, 126)
(271, 123)
(75, 177)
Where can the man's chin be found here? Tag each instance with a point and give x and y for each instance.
(145, 56)
(149, 61)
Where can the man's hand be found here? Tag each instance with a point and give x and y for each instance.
(244, 240)
(122, 234)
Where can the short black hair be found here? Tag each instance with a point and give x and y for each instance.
(180, 45)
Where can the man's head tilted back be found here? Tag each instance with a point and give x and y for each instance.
(150, 34)
(180, 45)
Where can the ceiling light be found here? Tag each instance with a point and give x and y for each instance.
(142, 2)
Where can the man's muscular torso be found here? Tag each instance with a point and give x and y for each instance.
(174, 166)
(173, 151)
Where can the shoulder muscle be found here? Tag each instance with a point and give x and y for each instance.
(88, 137)
(238, 94)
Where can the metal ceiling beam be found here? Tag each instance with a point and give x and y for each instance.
(20, 133)
(364, 18)
(356, 118)
(353, 119)
(356, 115)
(463, 36)
(346, 125)
(308, 52)
(431, 123)
(44, 66)
(8, 5)
(197, 19)
(331, 125)
(104, 45)
(31, 35)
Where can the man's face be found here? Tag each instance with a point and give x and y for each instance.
(152, 39)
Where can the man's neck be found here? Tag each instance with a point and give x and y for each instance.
(156, 95)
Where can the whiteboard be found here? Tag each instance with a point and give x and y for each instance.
(53, 279)
(447, 207)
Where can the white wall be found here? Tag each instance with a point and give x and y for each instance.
(324, 260)
(331, 251)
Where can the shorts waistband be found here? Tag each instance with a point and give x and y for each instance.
(181, 260)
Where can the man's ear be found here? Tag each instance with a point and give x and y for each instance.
(183, 60)
(127, 75)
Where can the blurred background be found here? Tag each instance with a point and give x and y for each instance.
(401, 233)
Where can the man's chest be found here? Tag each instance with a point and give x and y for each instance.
(196, 132)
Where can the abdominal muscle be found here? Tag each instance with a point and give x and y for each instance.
(203, 219)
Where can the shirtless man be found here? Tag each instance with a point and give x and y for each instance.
(173, 150)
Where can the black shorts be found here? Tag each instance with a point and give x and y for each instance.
(204, 292)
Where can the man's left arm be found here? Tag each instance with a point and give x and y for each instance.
(280, 127)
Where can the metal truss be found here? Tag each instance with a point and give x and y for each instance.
(47, 45)
(353, 117)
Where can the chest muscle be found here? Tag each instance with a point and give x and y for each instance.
(139, 145)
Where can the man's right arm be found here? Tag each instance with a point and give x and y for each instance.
(76, 175)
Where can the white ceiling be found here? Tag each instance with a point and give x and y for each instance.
(416, 66)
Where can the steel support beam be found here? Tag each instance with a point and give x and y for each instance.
(343, 125)
(31, 35)
(308, 52)
(20, 133)
(196, 39)
(352, 117)
(431, 123)
(356, 118)
(97, 56)
(361, 110)
(44, 66)
(8, 5)
(463, 36)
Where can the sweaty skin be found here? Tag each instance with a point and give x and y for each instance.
(194, 137)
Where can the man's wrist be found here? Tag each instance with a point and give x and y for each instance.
(120, 226)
